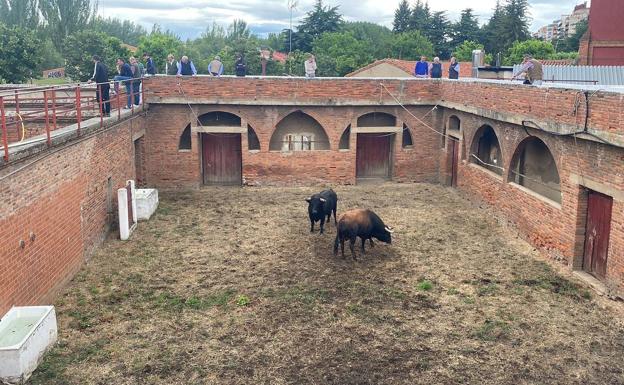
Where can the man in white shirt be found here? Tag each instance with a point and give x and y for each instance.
(310, 66)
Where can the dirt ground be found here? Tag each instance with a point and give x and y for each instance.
(228, 286)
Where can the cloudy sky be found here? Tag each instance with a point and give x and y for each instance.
(188, 18)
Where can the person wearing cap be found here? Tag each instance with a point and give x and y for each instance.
(534, 74)
(215, 67)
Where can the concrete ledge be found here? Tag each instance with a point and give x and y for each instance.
(219, 129)
(377, 130)
(616, 194)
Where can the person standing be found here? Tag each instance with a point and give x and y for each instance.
(150, 67)
(436, 68)
(186, 67)
(310, 66)
(239, 66)
(102, 91)
(171, 67)
(533, 70)
(215, 67)
(454, 69)
(125, 75)
(137, 73)
(421, 70)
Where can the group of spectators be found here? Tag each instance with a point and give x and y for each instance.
(424, 69)
(185, 66)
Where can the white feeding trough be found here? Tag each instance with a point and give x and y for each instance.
(26, 333)
(146, 202)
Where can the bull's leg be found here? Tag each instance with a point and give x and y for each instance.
(363, 242)
(334, 210)
(311, 225)
(371, 242)
(328, 220)
(351, 246)
(322, 223)
(342, 247)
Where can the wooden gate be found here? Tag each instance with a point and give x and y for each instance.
(222, 159)
(373, 156)
(454, 161)
(597, 233)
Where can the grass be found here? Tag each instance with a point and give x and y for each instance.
(50, 81)
(228, 286)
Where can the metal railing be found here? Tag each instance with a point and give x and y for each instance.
(33, 114)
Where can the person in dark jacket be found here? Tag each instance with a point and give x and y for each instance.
(436, 68)
(125, 76)
(102, 92)
(454, 69)
(150, 67)
(239, 66)
(186, 67)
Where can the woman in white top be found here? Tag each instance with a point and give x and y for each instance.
(310, 66)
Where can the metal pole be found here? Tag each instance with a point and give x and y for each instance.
(17, 114)
(47, 117)
(132, 95)
(118, 105)
(78, 111)
(5, 139)
(143, 95)
(99, 87)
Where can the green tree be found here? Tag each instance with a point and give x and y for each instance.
(21, 13)
(80, 48)
(421, 17)
(378, 38)
(159, 45)
(64, 17)
(238, 29)
(125, 30)
(411, 46)
(338, 53)
(492, 32)
(466, 29)
(319, 20)
(538, 48)
(515, 22)
(402, 17)
(438, 34)
(463, 52)
(19, 54)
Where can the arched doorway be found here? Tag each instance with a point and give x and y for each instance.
(376, 133)
(222, 161)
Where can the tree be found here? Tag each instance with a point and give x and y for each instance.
(64, 17)
(466, 29)
(124, 30)
(379, 36)
(19, 54)
(159, 45)
(21, 13)
(319, 20)
(402, 17)
(515, 22)
(492, 32)
(238, 29)
(539, 49)
(411, 46)
(438, 34)
(338, 53)
(420, 18)
(81, 46)
(463, 52)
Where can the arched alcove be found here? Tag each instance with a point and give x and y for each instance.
(452, 128)
(534, 167)
(219, 118)
(407, 137)
(345, 139)
(299, 131)
(376, 119)
(485, 150)
(253, 143)
(185, 139)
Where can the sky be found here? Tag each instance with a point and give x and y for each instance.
(189, 18)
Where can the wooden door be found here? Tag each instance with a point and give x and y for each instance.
(373, 156)
(454, 161)
(597, 233)
(222, 159)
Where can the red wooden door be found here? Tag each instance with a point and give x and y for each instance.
(222, 159)
(373, 156)
(597, 233)
(454, 161)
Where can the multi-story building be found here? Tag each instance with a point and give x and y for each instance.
(564, 27)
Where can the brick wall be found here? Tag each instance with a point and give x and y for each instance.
(61, 199)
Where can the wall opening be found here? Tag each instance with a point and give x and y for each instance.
(486, 151)
(219, 118)
(407, 137)
(185, 139)
(253, 143)
(299, 132)
(345, 139)
(376, 119)
(534, 167)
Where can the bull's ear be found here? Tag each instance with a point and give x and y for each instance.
(323, 200)
(308, 200)
(389, 229)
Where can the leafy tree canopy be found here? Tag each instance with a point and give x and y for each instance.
(19, 54)
(319, 20)
(411, 46)
(463, 52)
(538, 48)
(402, 17)
(80, 48)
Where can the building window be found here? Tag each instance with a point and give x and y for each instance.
(299, 132)
(376, 119)
(452, 129)
(345, 139)
(298, 142)
(185, 139)
(407, 137)
(253, 142)
(534, 167)
(486, 150)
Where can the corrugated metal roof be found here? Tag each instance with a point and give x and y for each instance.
(589, 75)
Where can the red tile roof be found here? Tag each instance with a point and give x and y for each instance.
(405, 65)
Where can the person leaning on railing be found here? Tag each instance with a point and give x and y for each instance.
(171, 67)
(102, 92)
(533, 70)
(186, 67)
(125, 75)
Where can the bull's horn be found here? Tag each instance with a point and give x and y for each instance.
(389, 229)
(323, 200)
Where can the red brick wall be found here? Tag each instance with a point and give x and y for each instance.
(61, 199)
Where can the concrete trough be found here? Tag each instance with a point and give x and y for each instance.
(26, 333)
(146, 202)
